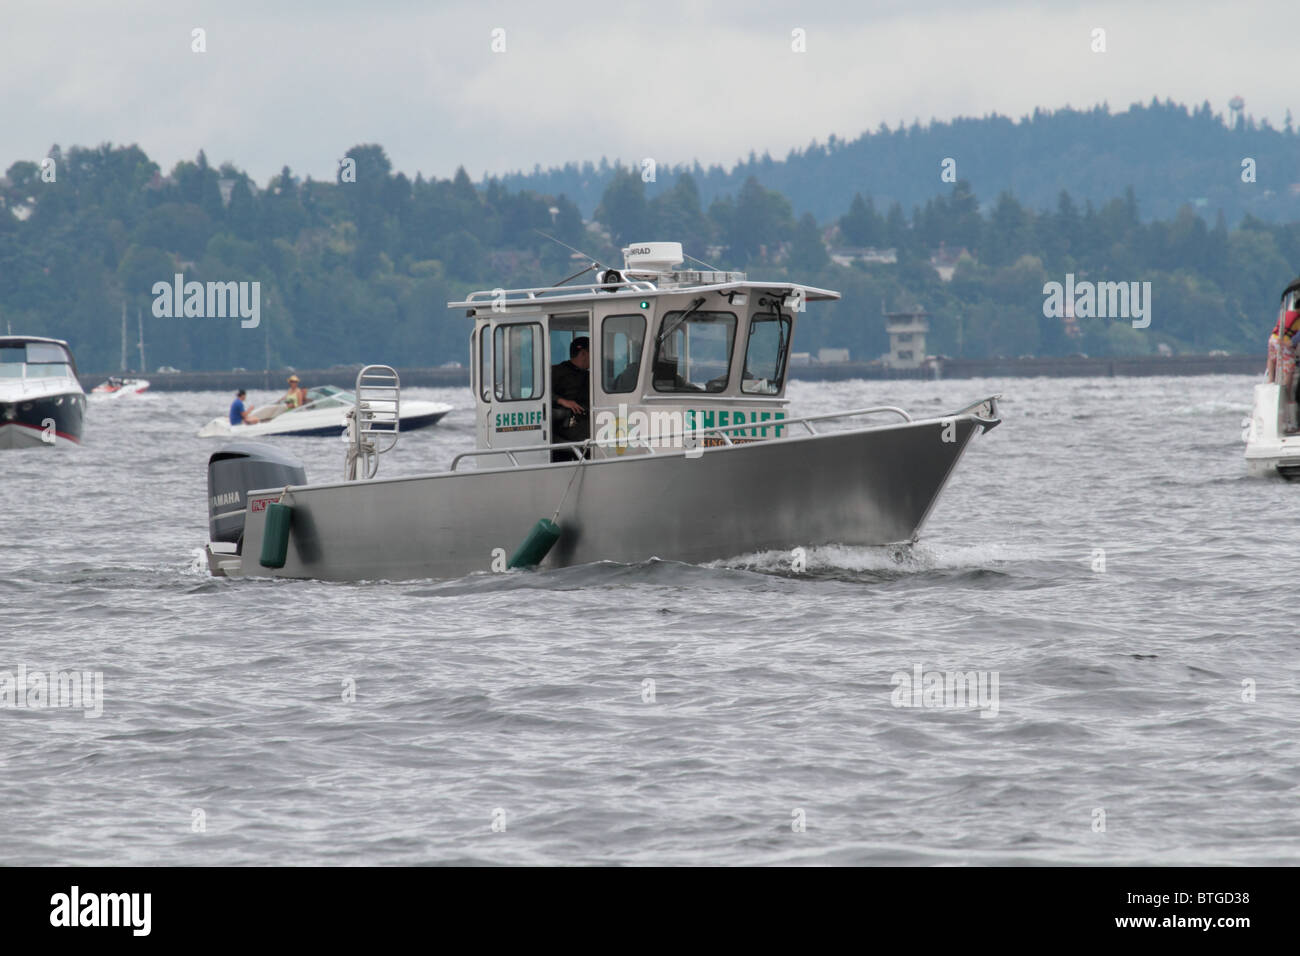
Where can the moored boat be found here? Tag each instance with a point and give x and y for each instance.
(688, 453)
(41, 401)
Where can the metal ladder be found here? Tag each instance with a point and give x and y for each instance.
(373, 422)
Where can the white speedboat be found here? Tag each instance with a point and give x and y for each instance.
(117, 387)
(41, 401)
(1271, 433)
(324, 413)
(689, 454)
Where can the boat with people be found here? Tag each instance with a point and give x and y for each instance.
(322, 411)
(116, 387)
(641, 416)
(42, 402)
(1272, 432)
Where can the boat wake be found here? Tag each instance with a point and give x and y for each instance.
(854, 563)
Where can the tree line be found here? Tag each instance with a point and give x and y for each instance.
(360, 269)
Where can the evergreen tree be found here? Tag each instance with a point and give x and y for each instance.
(808, 253)
(623, 208)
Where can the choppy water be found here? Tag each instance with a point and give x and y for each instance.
(1119, 690)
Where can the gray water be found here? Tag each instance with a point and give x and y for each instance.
(1102, 553)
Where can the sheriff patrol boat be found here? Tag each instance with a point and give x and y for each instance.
(688, 430)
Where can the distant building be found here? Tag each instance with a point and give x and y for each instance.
(945, 261)
(906, 338)
(828, 356)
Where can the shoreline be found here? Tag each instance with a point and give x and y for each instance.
(1101, 367)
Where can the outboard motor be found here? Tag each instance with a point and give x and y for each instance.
(236, 469)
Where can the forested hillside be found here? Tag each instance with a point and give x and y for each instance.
(1169, 153)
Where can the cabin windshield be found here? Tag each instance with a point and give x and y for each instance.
(43, 360)
(765, 355)
(696, 355)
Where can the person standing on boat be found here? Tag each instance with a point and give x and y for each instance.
(1282, 354)
(296, 397)
(239, 414)
(571, 388)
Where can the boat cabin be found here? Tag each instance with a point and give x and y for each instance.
(29, 356)
(677, 358)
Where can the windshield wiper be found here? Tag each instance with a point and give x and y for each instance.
(670, 327)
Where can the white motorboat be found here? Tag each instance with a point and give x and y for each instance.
(1272, 432)
(688, 453)
(41, 401)
(117, 387)
(324, 413)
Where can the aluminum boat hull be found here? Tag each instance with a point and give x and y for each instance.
(867, 486)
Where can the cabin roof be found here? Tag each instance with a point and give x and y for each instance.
(12, 340)
(631, 289)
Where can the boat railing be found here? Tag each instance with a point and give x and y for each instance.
(373, 422)
(687, 438)
(487, 296)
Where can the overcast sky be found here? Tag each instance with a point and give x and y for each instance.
(299, 82)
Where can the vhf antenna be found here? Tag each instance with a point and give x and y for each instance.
(595, 263)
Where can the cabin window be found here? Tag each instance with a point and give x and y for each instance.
(485, 364)
(695, 355)
(765, 355)
(622, 338)
(517, 362)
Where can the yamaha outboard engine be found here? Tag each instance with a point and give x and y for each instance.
(235, 470)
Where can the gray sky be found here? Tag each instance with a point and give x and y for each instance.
(298, 83)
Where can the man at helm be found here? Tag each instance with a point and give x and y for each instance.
(296, 397)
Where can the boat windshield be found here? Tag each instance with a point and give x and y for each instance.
(41, 359)
(328, 396)
(769, 337)
(696, 355)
